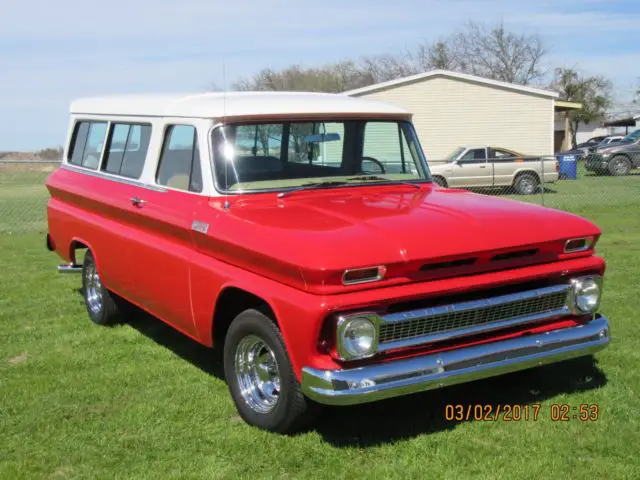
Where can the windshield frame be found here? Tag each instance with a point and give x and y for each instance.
(408, 127)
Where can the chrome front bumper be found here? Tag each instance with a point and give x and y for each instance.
(402, 377)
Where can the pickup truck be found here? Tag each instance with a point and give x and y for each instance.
(494, 167)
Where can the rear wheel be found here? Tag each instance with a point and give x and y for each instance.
(440, 181)
(260, 377)
(101, 304)
(619, 166)
(526, 184)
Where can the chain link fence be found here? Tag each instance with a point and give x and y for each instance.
(563, 184)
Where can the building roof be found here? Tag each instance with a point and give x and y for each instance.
(233, 104)
(448, 74)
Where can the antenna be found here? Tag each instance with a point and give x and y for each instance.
(226, 203)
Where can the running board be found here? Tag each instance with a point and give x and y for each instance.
(69, 268)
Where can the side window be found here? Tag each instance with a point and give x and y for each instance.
(385, 149)
(476, 155)
(128, 146)
(180, 159)
(382, 146)
(87, 144)
(502, 154)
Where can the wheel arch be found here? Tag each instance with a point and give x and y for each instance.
(445, 183)
(78, 243)
(231, 301)
(523, 171)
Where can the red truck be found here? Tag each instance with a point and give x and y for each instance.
(302, 234)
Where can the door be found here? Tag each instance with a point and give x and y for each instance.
(504, 164)
(472, 169)
(634, 153)
(163, 246)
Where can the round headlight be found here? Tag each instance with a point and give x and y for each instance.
(587, 294)
(358, 338)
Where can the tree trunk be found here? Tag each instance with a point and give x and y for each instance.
(574, 133)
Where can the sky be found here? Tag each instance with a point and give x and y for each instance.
(52, 52)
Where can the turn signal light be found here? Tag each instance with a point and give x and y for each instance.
(578, 244)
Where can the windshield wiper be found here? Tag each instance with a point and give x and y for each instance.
(313, 185)
(376, 178)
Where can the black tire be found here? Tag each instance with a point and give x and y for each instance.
(619, 166)
(441, 182)
(292, 411)
(526, 183)
(106, 310)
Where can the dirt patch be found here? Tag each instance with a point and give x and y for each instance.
(18, 358)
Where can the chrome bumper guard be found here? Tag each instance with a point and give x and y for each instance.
(402, 377)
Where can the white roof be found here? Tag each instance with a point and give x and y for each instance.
(455, 75)
(234, 104)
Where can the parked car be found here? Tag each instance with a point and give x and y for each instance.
(482, 166)
(321, 284)
(610, 139)
(617, 158)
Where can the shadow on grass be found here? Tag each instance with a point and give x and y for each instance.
(206, 359)
(403, 417)
(423, 413)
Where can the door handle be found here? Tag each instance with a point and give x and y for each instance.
(137, 202)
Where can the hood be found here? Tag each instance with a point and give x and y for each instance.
(309, 238)
(613, 146)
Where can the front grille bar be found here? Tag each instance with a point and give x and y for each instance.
(448, 322)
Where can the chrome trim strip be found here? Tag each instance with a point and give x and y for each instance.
(476, 329)
(114, 178)
(474, 304)
(402, 377)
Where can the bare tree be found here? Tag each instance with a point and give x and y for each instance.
(593, 92)
(496, 53)
(487, 51)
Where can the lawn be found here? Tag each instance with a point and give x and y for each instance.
(141, 401)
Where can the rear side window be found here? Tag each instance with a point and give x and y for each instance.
(179, 165)
(87, 144)
(128, 146)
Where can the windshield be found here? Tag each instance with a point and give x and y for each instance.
(277, 156)
(454, 155)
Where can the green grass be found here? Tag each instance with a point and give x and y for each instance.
(141, 401)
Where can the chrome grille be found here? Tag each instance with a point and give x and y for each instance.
(450, 321)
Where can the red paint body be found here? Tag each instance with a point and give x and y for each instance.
(292, 251)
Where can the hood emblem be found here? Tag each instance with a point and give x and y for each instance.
(198, 226)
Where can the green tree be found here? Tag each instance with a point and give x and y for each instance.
(594, 93)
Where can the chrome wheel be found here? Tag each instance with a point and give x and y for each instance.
(93, 288)
(257, 373)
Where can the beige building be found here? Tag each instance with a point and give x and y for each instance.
(452, 109)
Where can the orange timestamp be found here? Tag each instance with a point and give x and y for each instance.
(557, 412)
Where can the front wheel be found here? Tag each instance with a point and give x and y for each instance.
(260, 377)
